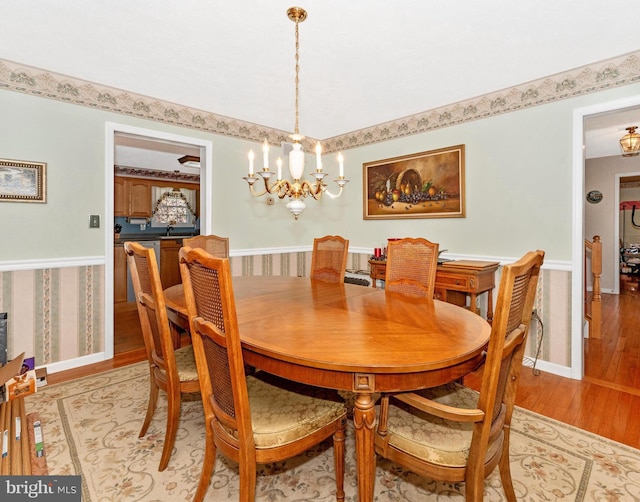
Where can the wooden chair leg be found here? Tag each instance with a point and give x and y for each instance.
(505, 469)
(474, 485)
(173, 417)
(248, 477)
(151, 407)
(207, 466)
(338, 460)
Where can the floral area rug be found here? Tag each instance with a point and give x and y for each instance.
(91, 428)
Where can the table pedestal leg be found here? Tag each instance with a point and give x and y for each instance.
(364, 421)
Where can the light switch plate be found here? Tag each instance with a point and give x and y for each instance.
(94, 221)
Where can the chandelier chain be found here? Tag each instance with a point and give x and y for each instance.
(297, 81)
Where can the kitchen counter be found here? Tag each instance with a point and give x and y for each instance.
(149, 237)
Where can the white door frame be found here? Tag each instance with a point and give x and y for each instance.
(577, 255)
(206, 171)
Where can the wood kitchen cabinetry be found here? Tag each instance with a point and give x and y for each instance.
(455, 281)
(132, 196)
(169, 266)
(119, 274)
(120, 202)
(139, 198)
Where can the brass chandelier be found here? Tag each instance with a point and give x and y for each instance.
(296, 189)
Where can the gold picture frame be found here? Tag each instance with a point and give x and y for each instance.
(421, 185)
(22, 181)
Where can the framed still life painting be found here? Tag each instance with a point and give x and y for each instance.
(421, 185)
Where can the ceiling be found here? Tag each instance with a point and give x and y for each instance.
(143, 153)
(362, 63)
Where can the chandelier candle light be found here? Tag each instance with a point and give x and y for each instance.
(297, 189)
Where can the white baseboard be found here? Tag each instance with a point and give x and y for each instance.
(554, 369)
(76, 362)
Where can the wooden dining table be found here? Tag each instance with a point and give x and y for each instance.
(352, 338)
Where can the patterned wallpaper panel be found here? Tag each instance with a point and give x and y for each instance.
(54, 314)
(57, 314)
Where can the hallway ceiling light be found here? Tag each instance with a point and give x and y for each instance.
(630, 142)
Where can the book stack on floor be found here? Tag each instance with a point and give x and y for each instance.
(21, 433)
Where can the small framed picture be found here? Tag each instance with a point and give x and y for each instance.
(22, 181)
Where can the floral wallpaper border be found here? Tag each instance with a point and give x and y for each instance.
(618, 71)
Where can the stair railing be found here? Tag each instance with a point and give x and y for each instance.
(593, 298)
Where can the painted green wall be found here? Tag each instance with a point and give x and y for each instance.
(518, 184)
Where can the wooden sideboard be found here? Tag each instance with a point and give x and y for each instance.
(455, 281)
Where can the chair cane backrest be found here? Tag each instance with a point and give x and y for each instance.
(509, 332)
(150, 302)
(329, 258)
(411, 267)
(216, 339)
(212, 244)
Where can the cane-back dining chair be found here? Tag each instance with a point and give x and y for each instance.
(452, 433)
(251, 419)
(411, 267)
(329, 258)
(171, 368)
(212, 244)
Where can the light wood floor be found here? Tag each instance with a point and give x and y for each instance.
(126, 328)
(606, 402)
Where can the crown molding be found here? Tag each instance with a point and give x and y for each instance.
(136, 172)
(615, 72)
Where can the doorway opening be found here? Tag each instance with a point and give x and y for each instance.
(579, 234)
(152, 147)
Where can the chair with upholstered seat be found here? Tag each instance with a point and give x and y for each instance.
(171, 369)
(452, 433)
(212, 244)
(411, 267)
(329, 258)
(251, 419)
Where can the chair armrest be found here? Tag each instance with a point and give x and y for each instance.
(440, 410)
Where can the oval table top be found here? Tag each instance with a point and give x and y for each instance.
(346, 328)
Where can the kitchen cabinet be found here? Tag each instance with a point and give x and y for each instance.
(169, 266)
(139, 198)
(120, 201)
(132, 196)
(119, 274)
